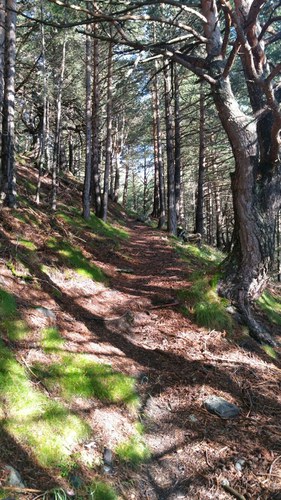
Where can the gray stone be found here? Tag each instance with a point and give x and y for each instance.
(48, 313)
(14, 479)
(240, 464)
(221, 407)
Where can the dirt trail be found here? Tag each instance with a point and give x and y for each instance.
(135, 324)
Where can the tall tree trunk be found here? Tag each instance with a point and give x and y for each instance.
(108, 146)
(57, 143)
(178, 169)
(96, 188)
(8, 187)
(43, 155)
(2, 63)
(158, 153)
(145, 186)
(156, 197)
(199, 217)
(172, 215)
(89, 124)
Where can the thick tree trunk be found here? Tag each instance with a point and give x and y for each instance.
(256, 202)
(2, 62)
(8, 181)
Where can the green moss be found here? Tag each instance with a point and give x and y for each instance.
(102, 491)
(77, 375)
(96, 225)
(204, 255)
(27, 244)
(45, 426)
(271, 306)
(10, 322)
(270, 351)
(51, 340)
(134, 451)
(73, 258)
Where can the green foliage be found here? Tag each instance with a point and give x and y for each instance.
(49, 429)
(134, 451)
(52, 341)
(74, 259)
(271, 306)
(101, 491)
(54, 494)
(77, 375)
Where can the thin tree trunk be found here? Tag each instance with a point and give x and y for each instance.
(8, 187)
(126, 182)
(172, 215)
(199, 218)
(108, 146)
(156, 197)
(178, 169)
(145, 187)
(96, 189)
(89, 123)
(43, 146)
(56, 157)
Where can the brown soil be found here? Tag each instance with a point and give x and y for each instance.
(136, 325)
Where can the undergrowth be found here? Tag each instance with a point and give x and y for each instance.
(271, 306)
(201, 300)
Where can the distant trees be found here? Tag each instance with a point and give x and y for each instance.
(142, 122)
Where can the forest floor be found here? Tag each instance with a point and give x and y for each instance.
(158, 441)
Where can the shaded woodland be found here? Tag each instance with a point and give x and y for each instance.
(125, 125)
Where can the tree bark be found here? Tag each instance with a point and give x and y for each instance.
(89, 123)
(2, 63)
(108, 147)
(96, 189)
(178, 168)
(8, 184)
(172, 214)
(56, 155)
(199, 217)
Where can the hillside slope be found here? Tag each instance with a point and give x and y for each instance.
(104, 373)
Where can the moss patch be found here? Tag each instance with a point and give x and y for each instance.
(73, 258)
(52, 341)
(50, 430)
(77, 375)
(96, 225)
(271, 306)
(10, 321)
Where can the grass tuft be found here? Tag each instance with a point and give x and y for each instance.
(204, 305)
(102, 491)
(134, 451)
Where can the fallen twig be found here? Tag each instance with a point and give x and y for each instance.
(20, 490)
(232, 491)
